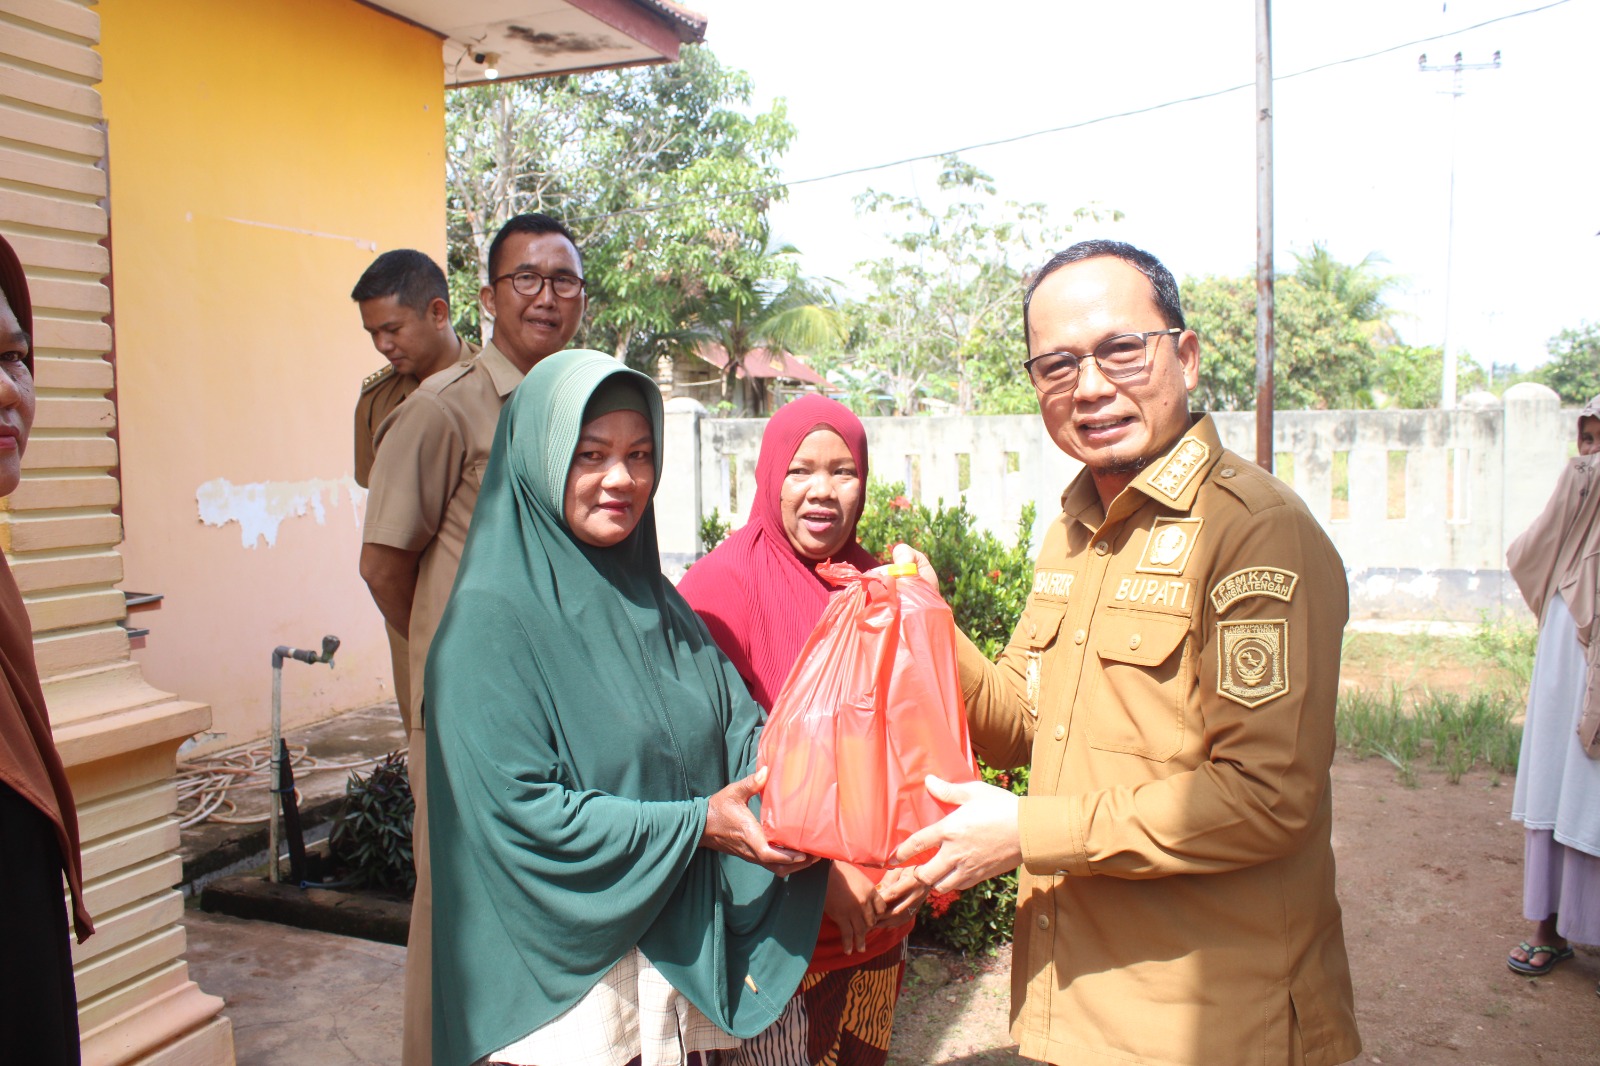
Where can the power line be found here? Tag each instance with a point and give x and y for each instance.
(869, 168)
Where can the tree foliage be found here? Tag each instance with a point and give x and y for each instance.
(1324, 358)
(1334, 339)
(776, 309)
(603, 152)
(1574, 367)
(941, 323)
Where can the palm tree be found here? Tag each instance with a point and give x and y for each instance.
(778, 314)
(1358, 287)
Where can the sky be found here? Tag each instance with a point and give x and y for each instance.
(1362, 154)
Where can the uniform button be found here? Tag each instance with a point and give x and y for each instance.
(1101, 547)
(1134, 641)
(1061, 731)
(1079, 637)
(1227, 471)
(1044, 921)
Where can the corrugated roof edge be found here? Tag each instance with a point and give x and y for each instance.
(690, 26)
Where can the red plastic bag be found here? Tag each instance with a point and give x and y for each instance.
(871, 708)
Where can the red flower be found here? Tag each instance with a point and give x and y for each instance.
(940, 902)
(900, 503)
(1003, 780)
(994, 575)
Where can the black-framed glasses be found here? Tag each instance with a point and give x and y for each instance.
(1119, 358)
(531, 283)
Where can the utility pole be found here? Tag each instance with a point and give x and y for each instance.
(1457, 67)
(1265, 342)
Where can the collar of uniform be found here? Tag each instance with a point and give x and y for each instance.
(1174, 479)
(1081, 501)
(502, 371)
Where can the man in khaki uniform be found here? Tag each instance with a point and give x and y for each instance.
(1172, 683)
(405, 308)
(431, 454)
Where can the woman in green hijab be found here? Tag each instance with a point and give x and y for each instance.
(602, 893)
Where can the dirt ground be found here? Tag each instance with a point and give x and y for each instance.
(1430, 879)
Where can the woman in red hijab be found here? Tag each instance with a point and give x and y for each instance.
(38, 823)
(760, 596)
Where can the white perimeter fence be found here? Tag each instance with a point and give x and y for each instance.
(1421, 504)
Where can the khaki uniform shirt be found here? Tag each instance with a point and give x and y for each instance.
(425, 480)
(1172, 681)
(381, 392)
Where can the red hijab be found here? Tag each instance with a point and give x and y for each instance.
(29, 763)
(760, 598)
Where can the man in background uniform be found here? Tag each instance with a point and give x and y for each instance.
(431, 454)
(1172, 684)
(405, 308)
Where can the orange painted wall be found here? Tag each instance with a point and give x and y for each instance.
(260, 156)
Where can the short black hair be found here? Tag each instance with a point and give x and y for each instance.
(534, 222)
(1163, 288)
(406, 274)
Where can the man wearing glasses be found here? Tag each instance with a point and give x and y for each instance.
(431, 453)
(1172, 683)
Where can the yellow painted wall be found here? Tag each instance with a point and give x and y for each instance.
(261, 154)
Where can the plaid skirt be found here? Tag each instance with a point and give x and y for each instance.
(838, 1018)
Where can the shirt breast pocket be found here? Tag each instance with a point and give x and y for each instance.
(1145, 674)
(1036, 630)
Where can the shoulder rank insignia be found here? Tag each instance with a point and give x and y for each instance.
(1179, 468)
(1254, 581)
(1253, 661)
(376, 376)
(1169, 546)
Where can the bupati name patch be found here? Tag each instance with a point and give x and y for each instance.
(1052, 584)
(1155, 592)
(1254, 581)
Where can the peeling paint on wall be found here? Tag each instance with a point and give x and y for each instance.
(261, 507)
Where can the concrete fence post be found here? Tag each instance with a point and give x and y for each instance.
(1536, 439)
(678, 500)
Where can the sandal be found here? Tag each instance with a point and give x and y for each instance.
(1526, 966)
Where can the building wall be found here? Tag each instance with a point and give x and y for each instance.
(1421, 504)
(117, 734)
(261, 155)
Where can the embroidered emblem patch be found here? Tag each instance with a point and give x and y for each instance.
(1253, 661)
(1179, 468)
(1170, 544)
(1253, 581)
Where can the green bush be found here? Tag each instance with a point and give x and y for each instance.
(984, 580)
(713, 530)
(371, 838)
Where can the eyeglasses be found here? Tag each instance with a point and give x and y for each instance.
(531, 283)
(1119, 358)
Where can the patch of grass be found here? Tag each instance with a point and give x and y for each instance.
(1491, 658)
(1448, 731)
(1508, 645)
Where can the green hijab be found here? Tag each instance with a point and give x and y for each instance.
(578, 716)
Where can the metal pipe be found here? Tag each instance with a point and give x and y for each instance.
(1266, 343)
(330, 644)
